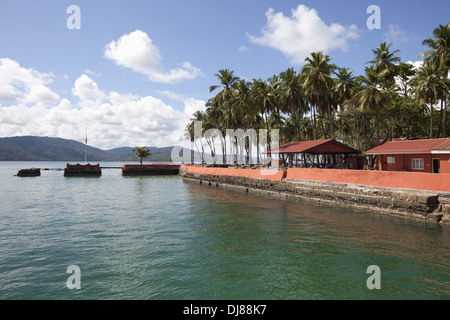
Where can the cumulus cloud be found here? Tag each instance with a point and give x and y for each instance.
(138, 52)
(191, 105)
(19, 84)
(113, 119)
(87, 90)
(302, 33)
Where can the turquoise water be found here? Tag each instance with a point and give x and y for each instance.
(164, 238)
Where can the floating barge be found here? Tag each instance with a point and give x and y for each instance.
(80, 170)
(150, 169)
(32, 172)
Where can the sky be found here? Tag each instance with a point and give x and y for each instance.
(133, 72)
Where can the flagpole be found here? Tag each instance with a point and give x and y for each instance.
(85, 148)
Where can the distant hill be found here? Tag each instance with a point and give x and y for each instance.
(32, 148)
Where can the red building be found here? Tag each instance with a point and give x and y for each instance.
(320, 150)
(431, 155)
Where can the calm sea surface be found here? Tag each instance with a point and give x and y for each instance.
(163, 238)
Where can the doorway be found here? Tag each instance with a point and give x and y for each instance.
(436, 165)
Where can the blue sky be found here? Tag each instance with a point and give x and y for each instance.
(136, 70)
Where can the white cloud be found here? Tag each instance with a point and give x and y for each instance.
(172, 95)
(396, 34)
(23, 85)
(191, 105)
(302, 33)
(113, 119)
(138, 52)
(416, 64)
(87, 90)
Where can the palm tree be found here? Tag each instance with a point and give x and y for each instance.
(141, 153)
(383, 63)
(243, 108)
(277, 104)
(370, 96)
(439, 55)
(439, 51)
(226, 78)
(343, 86)
(427, 86)
(216, 119)
(241, 101)
(263, 100)
(292, 96)
(405, 72)
(317, 81)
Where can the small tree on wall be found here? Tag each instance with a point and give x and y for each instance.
(141, 153)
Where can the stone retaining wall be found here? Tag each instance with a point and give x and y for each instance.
(386, 179)
(32, 172)
(150, 170)
(416, 204)
(82, 172)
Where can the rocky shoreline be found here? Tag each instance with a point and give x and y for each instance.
(416, 204)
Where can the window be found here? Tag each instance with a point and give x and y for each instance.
(391, 159)
(417, 164)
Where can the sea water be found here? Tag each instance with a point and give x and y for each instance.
(164, 238)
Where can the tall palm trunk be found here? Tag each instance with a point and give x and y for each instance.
(431, 118)
(377, 111)
(330, 119)
(441, 131)
(445, 109)
(445, 114)
(315, 124)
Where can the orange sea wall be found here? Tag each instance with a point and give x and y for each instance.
(414, 195)
(388, 179)
(268, 174)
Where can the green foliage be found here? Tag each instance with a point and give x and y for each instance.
(32, 148)
(141, 153)
(321, 100)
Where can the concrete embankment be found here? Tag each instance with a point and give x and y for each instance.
(79, 170)
(433, 205)
(150, 169)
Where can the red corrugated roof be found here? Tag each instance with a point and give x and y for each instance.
(443, 146)
(410, 146)
(314, 146)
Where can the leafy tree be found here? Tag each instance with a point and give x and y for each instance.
(141, 153)
(291, 95)
(392, 99)
(405, 72)
(439, 55)
(371, 97)
(383, 63)
(317, 81)
(226, 78)
(427, 87)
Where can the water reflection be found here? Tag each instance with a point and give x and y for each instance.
(337, 242)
